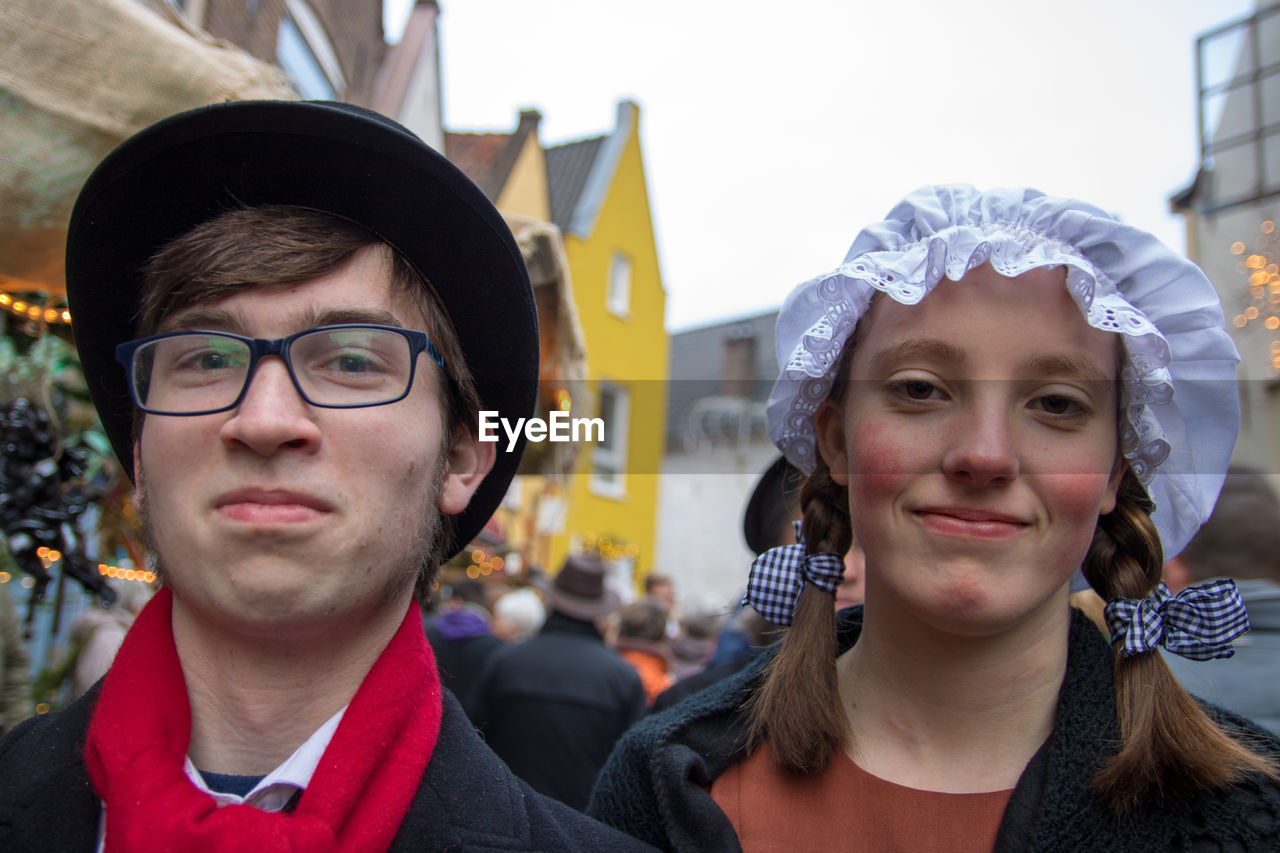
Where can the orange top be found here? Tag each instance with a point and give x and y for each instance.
(652, 669)
(845, 807)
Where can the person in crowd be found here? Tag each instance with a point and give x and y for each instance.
(553, 706)
(284, 314)
(662, 589)
(692, 649)
(462, 638)
(15, 666)
(517, 615)
(743, 638)
(993, 392)
(642, 642)
(99, 631)
(1241, 540)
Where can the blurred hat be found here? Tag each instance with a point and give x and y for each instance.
(776, 493)
(332, 157)
(579, 590)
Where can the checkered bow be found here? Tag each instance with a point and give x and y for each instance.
(1198, 623)
(778, 576)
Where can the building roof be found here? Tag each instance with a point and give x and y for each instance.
(568, 167)
(488, 158)
(478, 155)
(579, 174)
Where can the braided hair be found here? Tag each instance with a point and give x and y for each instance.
(1169, 748)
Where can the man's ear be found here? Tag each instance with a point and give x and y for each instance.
(136, 498)
(828, 427)
(470, 460)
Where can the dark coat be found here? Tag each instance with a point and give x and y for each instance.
(467, 799)
(657, 783)
(553, 707)
(460, 662)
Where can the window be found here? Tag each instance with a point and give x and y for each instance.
(738, 375)
(306, 55)
(1239, 84)
(609, 456)
(618, 298)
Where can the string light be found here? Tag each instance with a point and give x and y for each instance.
(49, 556)
(482, 564)
(18, 307)
(607, 548)
(1262, 273)
(118, 573)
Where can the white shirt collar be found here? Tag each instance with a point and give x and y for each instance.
(275, 789)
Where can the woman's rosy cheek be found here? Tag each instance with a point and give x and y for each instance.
(1078, 494)
(880, 450)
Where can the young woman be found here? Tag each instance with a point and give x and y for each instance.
(995, 394)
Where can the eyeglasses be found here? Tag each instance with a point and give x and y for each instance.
(335, 367)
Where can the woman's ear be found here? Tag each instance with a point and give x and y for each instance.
(1113, 485)
(828, 427)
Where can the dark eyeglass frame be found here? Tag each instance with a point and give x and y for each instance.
(260, 348)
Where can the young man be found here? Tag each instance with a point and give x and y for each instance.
(286, 315)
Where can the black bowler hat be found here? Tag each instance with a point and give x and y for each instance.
(332, 157)
(774, 499)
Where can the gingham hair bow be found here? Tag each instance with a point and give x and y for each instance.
(1198, 623)
(778, 576)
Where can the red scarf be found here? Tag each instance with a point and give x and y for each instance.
(359, 794)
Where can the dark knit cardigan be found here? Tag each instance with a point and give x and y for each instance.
(656, 785)
(467, 800)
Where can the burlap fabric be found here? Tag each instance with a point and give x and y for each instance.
(76, 78)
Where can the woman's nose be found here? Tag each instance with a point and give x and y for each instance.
(981, 449)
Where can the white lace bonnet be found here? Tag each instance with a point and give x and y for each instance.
(1179, 399)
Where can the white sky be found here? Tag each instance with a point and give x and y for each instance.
(772, 132)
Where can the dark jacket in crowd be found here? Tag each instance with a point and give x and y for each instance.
(690, 685)
(462, 642)
(553, 707)
(467, 799)
(1248, 682)
(657, 783)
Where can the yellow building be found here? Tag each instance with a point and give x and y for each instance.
(594, 190)
(600, 201)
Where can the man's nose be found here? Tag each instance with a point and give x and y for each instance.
(272, 415)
